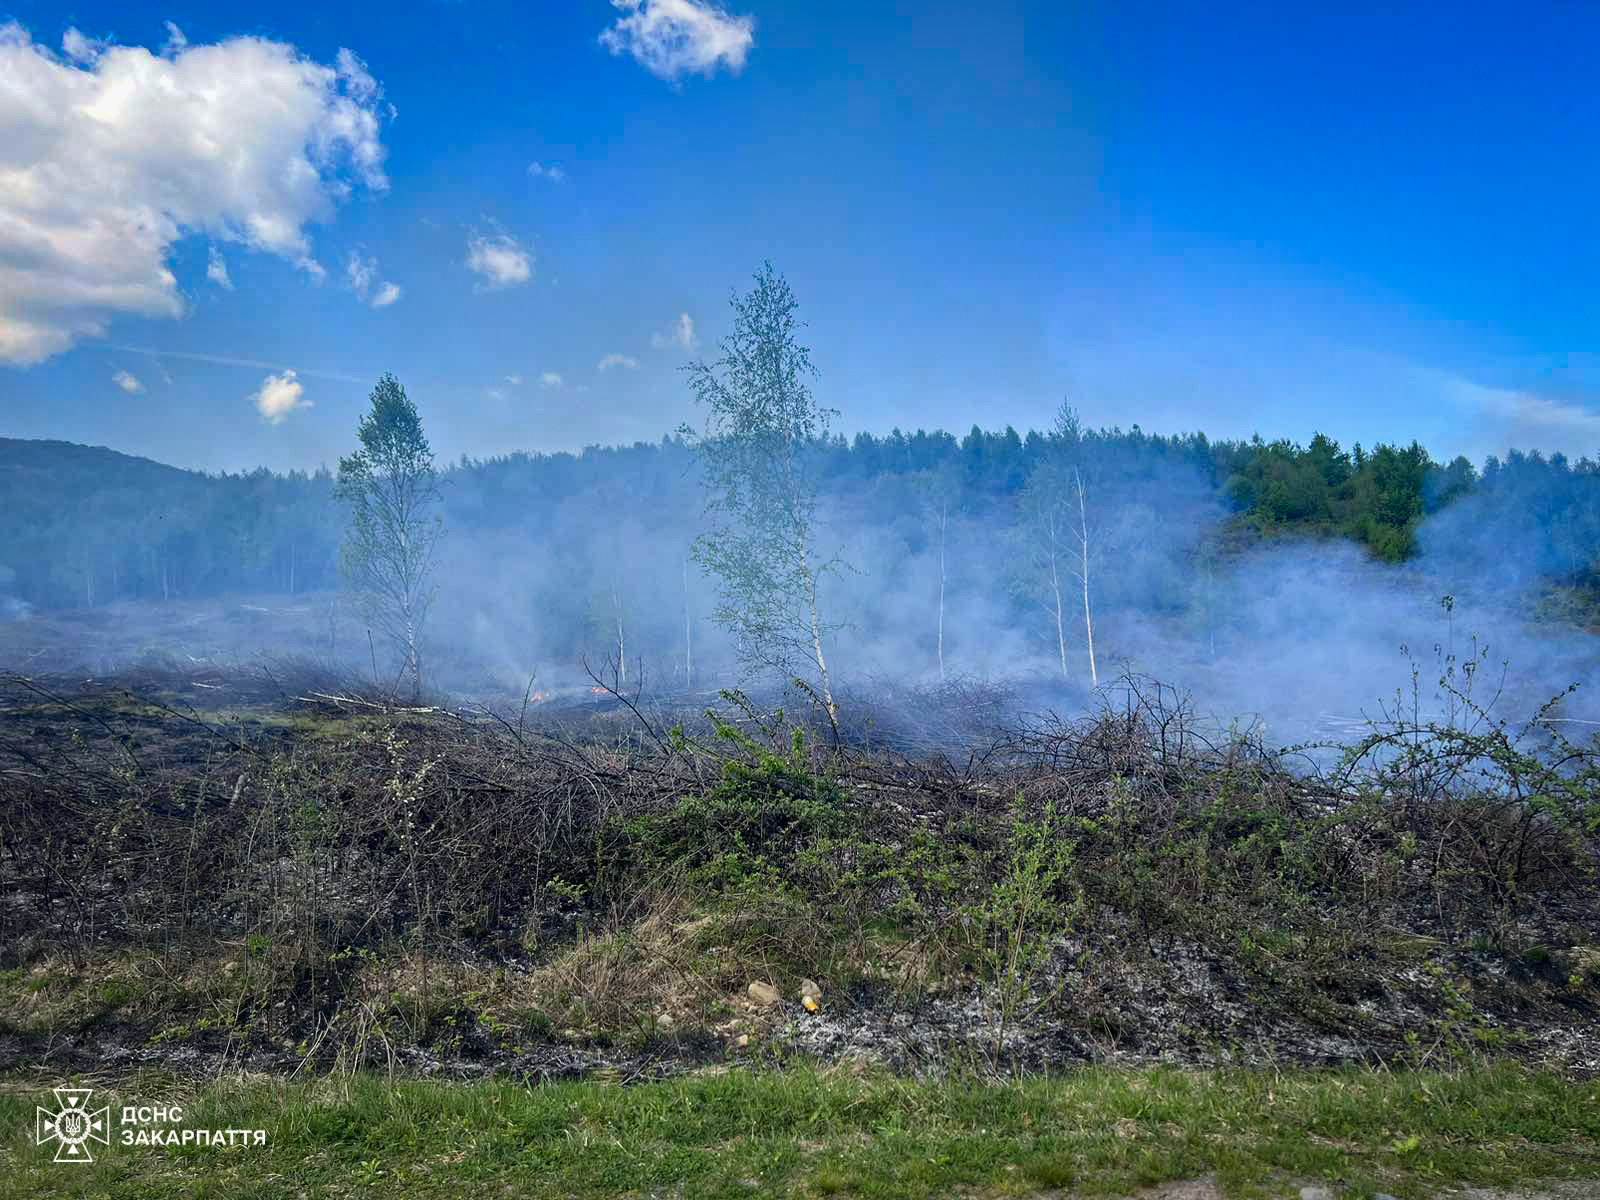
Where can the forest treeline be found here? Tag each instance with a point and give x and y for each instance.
(83, 526)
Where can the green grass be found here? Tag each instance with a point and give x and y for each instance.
(807, 1133)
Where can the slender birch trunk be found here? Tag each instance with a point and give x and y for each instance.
(816, 645)
(622, 640)
(1061, 633)
(1083, 575)
(944, 521)
(688, 632)
(413, 660)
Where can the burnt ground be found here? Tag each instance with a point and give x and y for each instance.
(277, 870)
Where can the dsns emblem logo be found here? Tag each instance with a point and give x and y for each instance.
(74, 1126)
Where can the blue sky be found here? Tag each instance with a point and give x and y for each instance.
(1377, 221)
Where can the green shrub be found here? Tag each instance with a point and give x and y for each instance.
(765, 810)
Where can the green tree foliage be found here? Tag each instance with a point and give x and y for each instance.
(1378, 498)
(761, 420)
(392, 491)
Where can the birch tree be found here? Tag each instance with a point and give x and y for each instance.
(688, 631)
(761, 545)
(1081, 570)
(1043, 537)
(1058, 535)
(941, 502)
(1068, 443)
(393, 492)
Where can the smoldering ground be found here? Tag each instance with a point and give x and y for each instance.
(587, 567)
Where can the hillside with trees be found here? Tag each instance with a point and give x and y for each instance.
(133, 520)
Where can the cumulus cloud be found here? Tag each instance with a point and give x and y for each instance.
(217, 269)
(681, 334)
(278, 396)
(499, 259)
(619, 360)
(361, 273)
(128, 382)
(550, 171)
(673, 38)
(110, 154)
(550, 380)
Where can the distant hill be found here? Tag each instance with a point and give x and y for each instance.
(50, 490)
(52, 470)
(83, 524)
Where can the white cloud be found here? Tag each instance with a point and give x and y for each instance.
(361, 273)
(618, 360)
(500, 259)
(217, 269)
(550, 171)
(228, 360)
(495, 393)
(278, 396)
(111, 154)
(550, 380)
(514, 380)
(1509, 417)
(358, 81)
(81, 48)
(672, 38)
(681, 334)
(128, 382)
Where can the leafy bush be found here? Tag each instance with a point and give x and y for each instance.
(764, 811)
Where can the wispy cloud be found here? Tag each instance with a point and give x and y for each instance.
(224, 360)
(278, 396)
(624, 361)
(673, 38)
(128, 382)
(217, 269)
(80, 47)
(361, 272)
(550, 171)
(681, 334)
(499, 260)
(1514, 417)
(550, 380)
